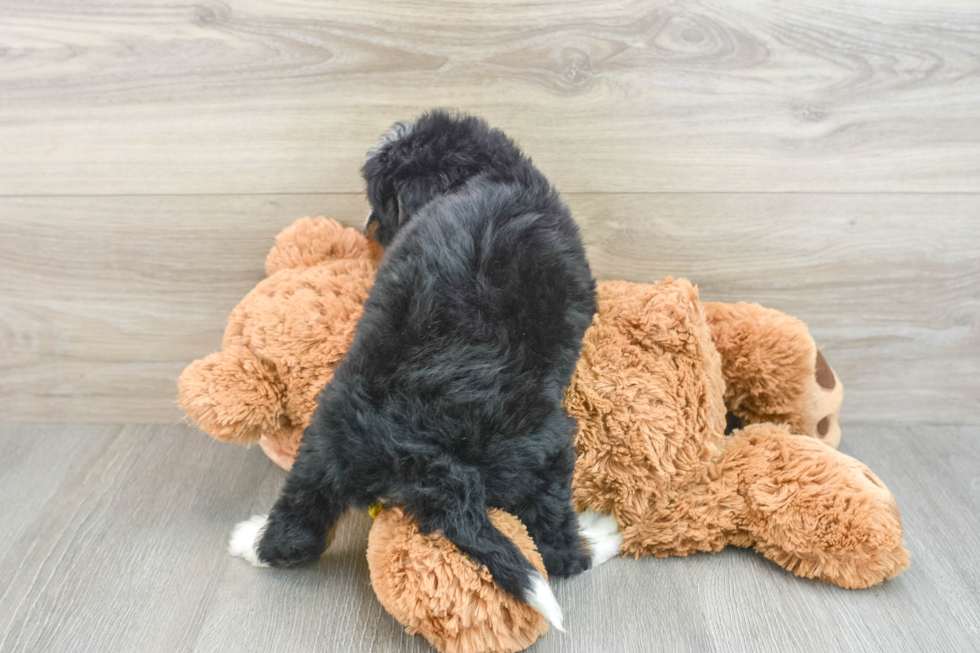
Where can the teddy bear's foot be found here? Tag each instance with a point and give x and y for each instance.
(245, 537)
(774, 372)
(602, 533)
(815, 511)
(822, 400)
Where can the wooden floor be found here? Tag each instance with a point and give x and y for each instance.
(113, 540)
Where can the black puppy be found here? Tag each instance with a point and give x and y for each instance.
(449, 400)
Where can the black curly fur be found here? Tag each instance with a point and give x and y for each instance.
(449, 400)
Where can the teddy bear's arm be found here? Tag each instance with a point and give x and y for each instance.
(773, 370)
(310, 241)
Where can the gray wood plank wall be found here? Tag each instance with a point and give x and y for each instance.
(822, 158)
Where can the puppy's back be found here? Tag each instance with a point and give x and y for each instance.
(484, 296)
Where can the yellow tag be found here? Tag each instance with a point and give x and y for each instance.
(375, 509)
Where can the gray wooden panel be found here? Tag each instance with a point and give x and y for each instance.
(888, 284)
(620, 95)
(104, 300)
(122, 549)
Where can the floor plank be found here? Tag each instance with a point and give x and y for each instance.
(104, 300)
(117, 554)
(117, 543)
(612, 96)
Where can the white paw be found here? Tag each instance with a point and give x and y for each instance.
(542, 599)
(603, 535)
(244, 541)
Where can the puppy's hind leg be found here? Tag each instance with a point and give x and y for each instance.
(569, 544)
(602, 533)
(295, 531)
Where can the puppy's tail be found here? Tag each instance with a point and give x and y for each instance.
(475, 535)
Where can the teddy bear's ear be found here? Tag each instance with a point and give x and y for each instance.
(311, 241)
(232, 396)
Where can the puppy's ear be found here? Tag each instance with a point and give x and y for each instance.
(383, 220)
(382, 223)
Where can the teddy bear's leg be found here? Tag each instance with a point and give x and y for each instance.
(813, 510)
(311, 241)
(774, 372)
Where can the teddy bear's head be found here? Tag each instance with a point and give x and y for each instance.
(283, 340)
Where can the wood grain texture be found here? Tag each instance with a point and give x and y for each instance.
(820, 157)
(119, 546)
(888, 284)
(126, 97)
(104, 300)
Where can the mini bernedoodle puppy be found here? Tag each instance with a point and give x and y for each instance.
(449, 400)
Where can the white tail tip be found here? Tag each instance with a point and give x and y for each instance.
(245, 537)
(603, 535)
(542, 599)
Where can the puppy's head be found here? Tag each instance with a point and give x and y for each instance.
(415, 162)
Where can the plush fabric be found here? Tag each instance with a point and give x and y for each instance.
(658, 372)
(647, 397)
(283, 340)
(773, 371)
(424, 582)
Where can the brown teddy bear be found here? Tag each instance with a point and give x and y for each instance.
(283, 340)
(660, 377)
